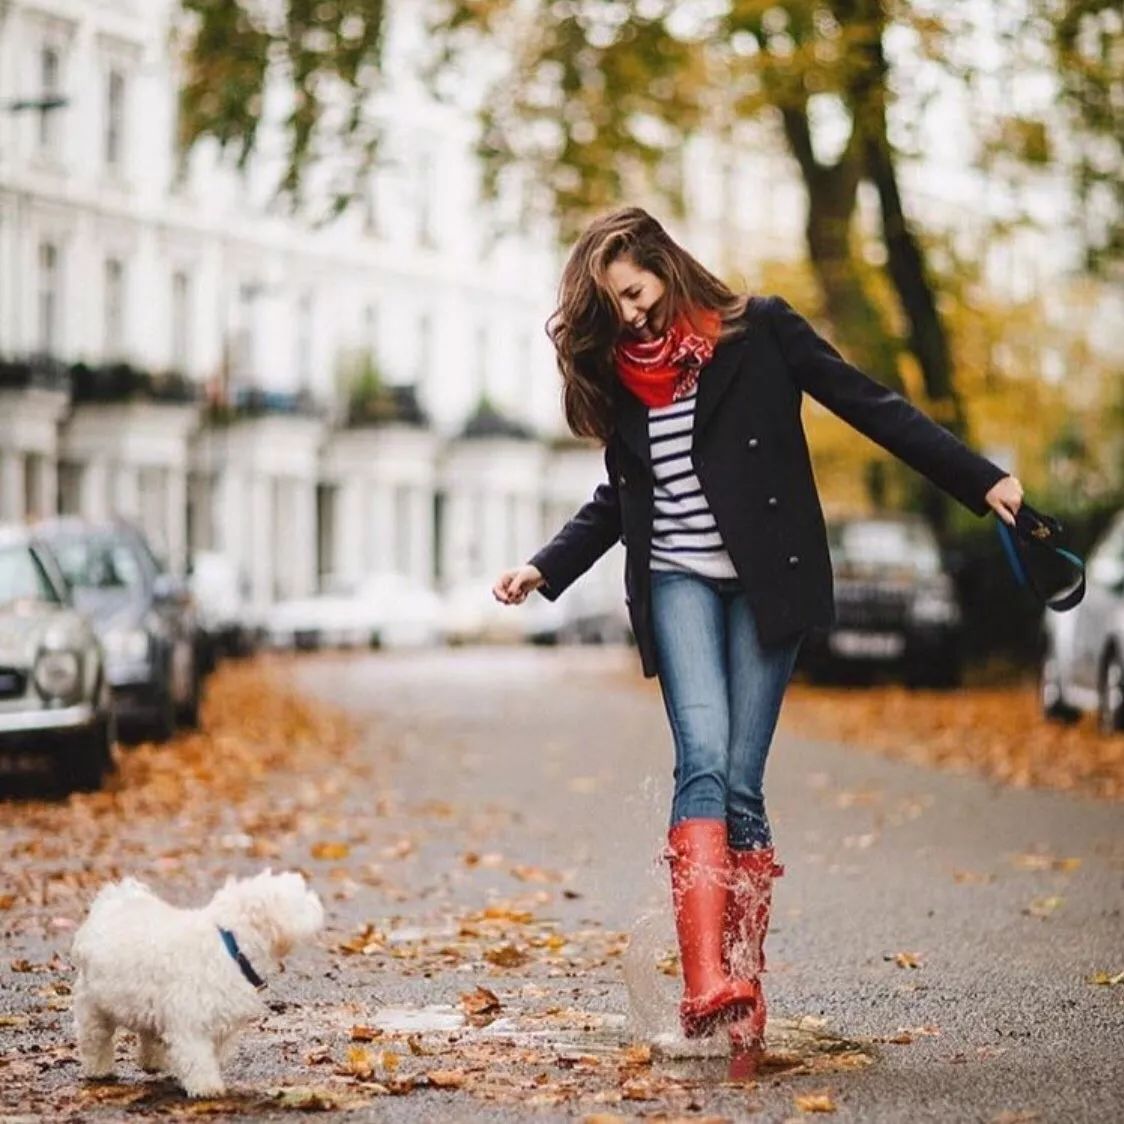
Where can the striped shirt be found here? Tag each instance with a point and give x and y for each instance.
(684, 533)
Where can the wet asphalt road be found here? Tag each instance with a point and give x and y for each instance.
(571, 749)
(561, 760)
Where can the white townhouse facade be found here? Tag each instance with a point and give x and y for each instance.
(112, 251)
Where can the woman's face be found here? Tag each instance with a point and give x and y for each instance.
(638, 292)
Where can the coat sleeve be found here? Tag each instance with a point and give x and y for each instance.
(583, 540)
(880, 413)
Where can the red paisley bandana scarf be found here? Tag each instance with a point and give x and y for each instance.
(663, 370)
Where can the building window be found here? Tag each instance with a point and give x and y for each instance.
(50, 71)
(48, 298)
(181, 322)
(114, 308)
(114, 119)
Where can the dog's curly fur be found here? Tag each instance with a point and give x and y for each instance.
(165, 973)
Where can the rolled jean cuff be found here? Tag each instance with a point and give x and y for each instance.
(748, 832)
(698, 808)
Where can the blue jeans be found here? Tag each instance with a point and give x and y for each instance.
(723, 694)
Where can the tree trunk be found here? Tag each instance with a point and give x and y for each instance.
(831, 206)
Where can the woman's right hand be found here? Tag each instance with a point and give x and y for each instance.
(512, 586)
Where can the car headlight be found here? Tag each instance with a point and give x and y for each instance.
(127, 645)
(934, 608)
(58, 674)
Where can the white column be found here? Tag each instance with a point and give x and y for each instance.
(380, 504)
(349, 528)
(260, 544)
(421, 531)
(126, 492)
(302, 548)
(459, 536)
(94, 499)
(494, 536)
(13, 489)
(47, 485)
(175, 487)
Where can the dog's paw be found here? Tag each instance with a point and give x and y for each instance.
(200, 1089)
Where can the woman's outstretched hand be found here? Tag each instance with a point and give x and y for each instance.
(512, 586)
(1005, 499)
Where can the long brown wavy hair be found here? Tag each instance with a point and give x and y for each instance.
(587, 322)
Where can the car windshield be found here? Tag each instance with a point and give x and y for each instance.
(99, 563)
(884, 544)
(22, 578)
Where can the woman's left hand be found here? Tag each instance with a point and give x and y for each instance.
(1005, 499)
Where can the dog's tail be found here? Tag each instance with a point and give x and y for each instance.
(108, 898)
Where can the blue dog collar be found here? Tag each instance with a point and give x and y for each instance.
(240, 959)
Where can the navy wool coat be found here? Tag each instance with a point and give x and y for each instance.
(751, 457)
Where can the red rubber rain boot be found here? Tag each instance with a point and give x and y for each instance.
(747, 922)
(700, 877)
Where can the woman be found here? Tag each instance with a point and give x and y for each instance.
(695, 392)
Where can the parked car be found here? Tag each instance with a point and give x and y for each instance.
(472, 615)
(320, 620)
(221, 593)
(54, 694)
(383, 609)
(400, 611)
(144, 617)
(896, 606)
(591, 612)
(1083, 654)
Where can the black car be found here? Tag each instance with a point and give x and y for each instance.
(144, 618)
(896, 606)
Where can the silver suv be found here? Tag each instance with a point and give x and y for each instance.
(1083, 659)
(54, 695)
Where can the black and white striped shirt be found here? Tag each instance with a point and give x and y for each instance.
(684, 533)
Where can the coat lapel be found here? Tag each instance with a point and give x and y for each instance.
(716, 378)
(632, 425)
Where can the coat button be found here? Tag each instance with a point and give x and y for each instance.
(753, 442)
(773, 502)
(623, 480)
(793, 560)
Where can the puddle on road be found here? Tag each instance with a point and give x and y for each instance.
(438, 1018)
(797, 1045)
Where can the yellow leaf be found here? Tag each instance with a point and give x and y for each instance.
(446, 1078)
(480, 1002)
(1103, 979)
(330, 850)
(815, 1102)
(1043, 907)
(359, 1062)
(506, 956)
(906, 959)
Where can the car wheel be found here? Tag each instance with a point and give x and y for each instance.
(90, 759)
(1054, 706)
(163, 725)
(187, 713)
(1110, 696)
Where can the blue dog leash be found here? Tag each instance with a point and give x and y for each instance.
(1033, 526)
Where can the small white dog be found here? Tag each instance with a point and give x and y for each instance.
(185, 980)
